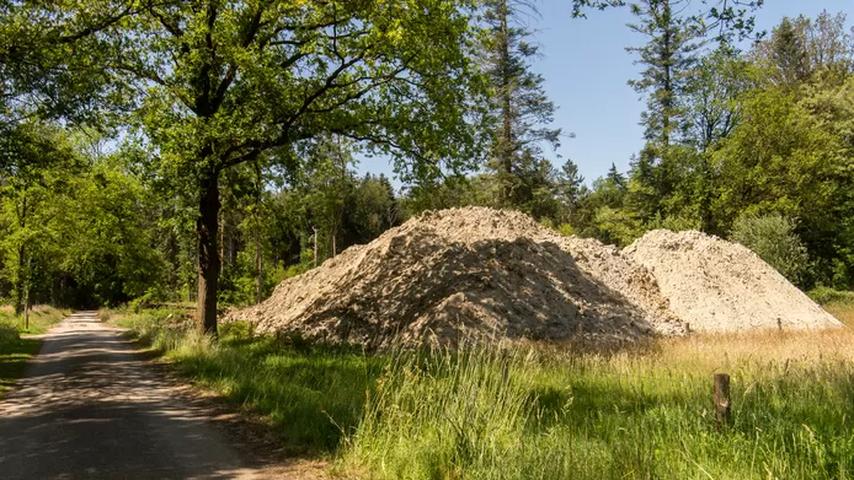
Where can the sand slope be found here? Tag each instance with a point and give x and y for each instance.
(468, 272)
(716, 285)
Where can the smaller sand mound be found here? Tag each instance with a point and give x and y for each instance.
(719, 286)
(467, 273)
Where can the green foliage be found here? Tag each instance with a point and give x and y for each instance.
(667, 57)
(518, 112)
(615, 226)
(773, 238)
(76, 222)
(312, 395)
(824, 295)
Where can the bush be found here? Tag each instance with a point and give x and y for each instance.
(824, 295)
(773, 238)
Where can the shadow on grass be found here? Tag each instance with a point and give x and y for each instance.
(312, 395)
(14, 355)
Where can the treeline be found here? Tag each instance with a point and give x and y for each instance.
(751, 144)
(213, 156)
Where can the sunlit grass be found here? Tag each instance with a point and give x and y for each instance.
(543, 413)
(14, 350)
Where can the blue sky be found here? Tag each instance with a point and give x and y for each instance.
(586, 67)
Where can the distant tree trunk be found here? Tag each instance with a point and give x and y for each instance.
(27, 295)
(315, 245)
(22, 212)
(207, 227)
(506, 147)
(259, 254)
(259, 270)
(20, 280)
(667, 61)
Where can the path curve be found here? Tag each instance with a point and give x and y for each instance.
(91, 406)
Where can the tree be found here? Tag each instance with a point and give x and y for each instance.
(728, 19)
(570, 185)
(787, 51)
(773, 238)
(801, 46)
(711, 97)
(519, 110)
(668, 57)
(34, 158)
(219, 84)
(784, 159)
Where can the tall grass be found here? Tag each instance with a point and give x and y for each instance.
(311, 395)
(42, 317)
(632, 415)
(547, 413)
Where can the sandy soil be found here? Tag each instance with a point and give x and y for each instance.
(721, 286)
(466, 273)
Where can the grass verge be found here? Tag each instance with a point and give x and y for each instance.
(14, 350)
(537, 413)
(311, 395)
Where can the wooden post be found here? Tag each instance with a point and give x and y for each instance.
(723, 404)
(780, 324)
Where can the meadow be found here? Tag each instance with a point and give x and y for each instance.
(539, 412)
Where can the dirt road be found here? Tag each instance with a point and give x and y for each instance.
(91, 406)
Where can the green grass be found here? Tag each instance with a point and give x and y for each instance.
(14, 350)
(542, 413)
(839, 303)
(311, 395)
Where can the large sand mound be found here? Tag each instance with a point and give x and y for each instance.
(716, 286)
(469, 272)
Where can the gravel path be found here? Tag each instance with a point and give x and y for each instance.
(91, 406)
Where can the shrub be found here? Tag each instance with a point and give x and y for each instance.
(824, 295)
(773, 238)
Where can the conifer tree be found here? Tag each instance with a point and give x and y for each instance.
(520, 111)
(667, 58)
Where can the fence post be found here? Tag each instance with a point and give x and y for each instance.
(723, 404)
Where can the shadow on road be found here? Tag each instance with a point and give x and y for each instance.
(89, 406)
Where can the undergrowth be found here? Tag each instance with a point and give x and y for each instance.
(542, 413)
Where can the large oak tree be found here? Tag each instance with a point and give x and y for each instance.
(214, 84)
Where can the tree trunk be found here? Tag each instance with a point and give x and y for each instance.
(27, 295)
(315, 245)
(207, 227)
(22, 211)
(506, 143)
(259, 267)
(20, 280)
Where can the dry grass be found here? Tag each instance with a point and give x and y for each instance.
(844, 311)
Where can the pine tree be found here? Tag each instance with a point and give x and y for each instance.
(788, 51)
(570, 184)
(667, 57)
(520, 110)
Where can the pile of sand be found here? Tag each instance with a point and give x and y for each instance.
(717, 286)
(468, 272)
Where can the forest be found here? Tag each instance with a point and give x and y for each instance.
(198, 278)
(213, 155)
(146, 169)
